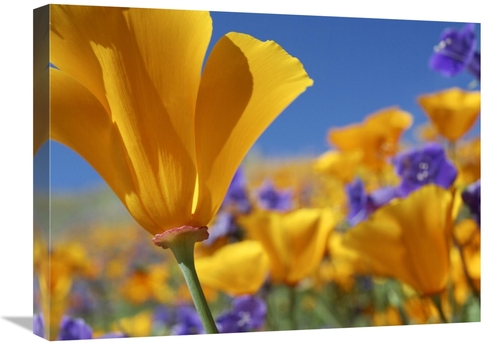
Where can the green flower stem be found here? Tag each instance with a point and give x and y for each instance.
(437, 302)
(184, 254)
(293, 306)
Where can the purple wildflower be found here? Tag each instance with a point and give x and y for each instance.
(426, 165)
(74, 329)
(381, 197)
(38, 325)
(361, 204)
(187, 321)
(456, 52)
(270, 198)
(224, 225)
(71, 329)
(248, 313)
(472, 198)
(237, 195)
(358, 202)
(163, 315)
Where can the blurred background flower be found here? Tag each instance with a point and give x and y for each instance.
(409, 240)
(377, 136)
(456, 52)
(452, 111)
(248, 313)
(295, 242)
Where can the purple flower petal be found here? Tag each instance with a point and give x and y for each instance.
(188, 322)
(248, 313)
(455, 52)
(224, 225)
(74, 329)
(237, 193)
(269, 198)
(381, 196)
(38, 325)
(253, 306)
(164, 315)
(228, 323)
(426, 165)
(358, 202)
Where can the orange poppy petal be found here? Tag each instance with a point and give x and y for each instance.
(307, 232)
(116, 69)
(172, 45)
(77, 116)
(266, 228)
(453, 111)
(378, 241)
(236, 269)
(426, 220)
(258, 84)
(409, 239)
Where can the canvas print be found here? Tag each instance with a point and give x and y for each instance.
(203, 172)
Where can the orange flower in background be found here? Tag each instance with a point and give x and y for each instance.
(453, 111)
(56, 271)
(421, 310)
(295, 242)
(139, 325)
(468, 161)
(130, 97)
(409, 239)
(340, 165)
(426, 132)
(388, 317)
(236, 269)
(468, 237)
(145, 284)
(344, 263)
(377, 136)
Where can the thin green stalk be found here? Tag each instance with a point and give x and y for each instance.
(437, 302)
(293, 306)
(184, 254)
(271, 306)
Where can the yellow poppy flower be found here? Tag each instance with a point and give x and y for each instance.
(377, 136)
(453, 111)
(139, 325)
(129, 96)
(344, 263)
(55, 272)
(426, 132)
(409, 239)
(388, 317)
(147, 284)
(340, 165)
(295, 242)
(467, 259)
(468, 161)
(236, 269)
(421, 310)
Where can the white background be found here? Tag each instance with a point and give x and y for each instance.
(16, 168)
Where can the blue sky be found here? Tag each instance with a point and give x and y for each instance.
(358, 66)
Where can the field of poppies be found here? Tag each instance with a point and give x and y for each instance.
(376, 231)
